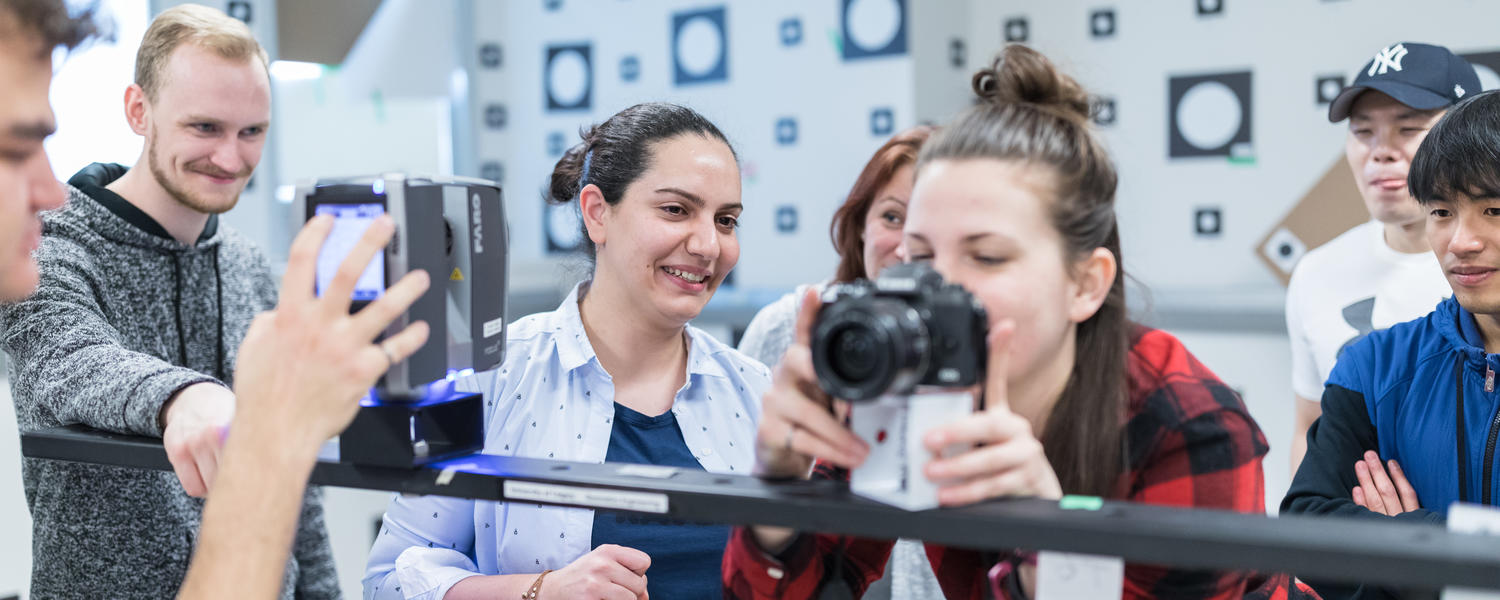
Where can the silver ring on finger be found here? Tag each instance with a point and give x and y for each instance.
(390, 357)
(791, 431)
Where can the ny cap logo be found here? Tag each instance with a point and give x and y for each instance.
(1458, 90)
(1386, 59)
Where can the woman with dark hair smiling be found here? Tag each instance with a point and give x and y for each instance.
(615, 374)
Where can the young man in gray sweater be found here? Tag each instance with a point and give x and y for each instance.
(143, 301)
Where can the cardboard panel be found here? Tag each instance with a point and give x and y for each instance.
(1331, 207)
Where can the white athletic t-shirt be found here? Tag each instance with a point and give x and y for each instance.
(1347, 288)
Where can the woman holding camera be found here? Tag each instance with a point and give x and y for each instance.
(615, 374)
(1014, 201)
(866, 232)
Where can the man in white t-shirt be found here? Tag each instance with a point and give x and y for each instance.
(1382, 272)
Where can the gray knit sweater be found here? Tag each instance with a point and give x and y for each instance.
(125, 316)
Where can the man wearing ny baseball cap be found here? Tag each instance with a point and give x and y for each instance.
(1382, 272)
(1407, 425)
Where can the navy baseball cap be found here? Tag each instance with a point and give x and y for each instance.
(1421, 76)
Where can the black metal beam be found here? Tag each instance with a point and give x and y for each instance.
(1322, 548)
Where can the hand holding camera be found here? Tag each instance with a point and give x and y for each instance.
(799, 421)
(903, 335)
(1006, 458)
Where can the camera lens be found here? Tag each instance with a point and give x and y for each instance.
(866, 347)
(854, 354)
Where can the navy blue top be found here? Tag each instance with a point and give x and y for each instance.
(685, 556)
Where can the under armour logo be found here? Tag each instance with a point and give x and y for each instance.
(1458, 90)
(1389, 58)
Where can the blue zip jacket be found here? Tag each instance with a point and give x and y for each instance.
(1421, 392)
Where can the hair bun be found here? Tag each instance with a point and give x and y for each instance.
(563, 186)
(1021, 75)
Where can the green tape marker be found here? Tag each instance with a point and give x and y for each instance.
(1081, 503)
(837, 39)
(378, 100)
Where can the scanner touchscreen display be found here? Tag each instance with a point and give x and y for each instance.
(349, 223)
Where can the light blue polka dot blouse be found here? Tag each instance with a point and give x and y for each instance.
(550, 398)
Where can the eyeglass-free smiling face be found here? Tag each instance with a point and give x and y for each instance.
(673, 236)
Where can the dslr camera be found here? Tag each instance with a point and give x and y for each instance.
(907, 328)
(906, 349)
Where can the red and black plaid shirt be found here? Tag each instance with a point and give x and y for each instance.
(1191, 443)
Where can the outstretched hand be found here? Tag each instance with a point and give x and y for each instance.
(306, 364)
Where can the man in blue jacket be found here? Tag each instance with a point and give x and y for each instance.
(1421, 396)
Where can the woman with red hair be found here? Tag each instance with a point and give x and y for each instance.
(866, 232)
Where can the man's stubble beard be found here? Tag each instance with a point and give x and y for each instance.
(180, 195)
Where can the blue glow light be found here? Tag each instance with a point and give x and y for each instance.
(452, 374)
(378, 187)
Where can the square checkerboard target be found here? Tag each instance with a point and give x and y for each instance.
(882, 121)
(1208, 222)
(1017, 30)
(569, 77)
(786, 219)
(563, 226)
(872, 28)
(1210, 115)
(1102, 23)
(1327, 88)
(490, 56)
(1102, 110)
(1283, 248)
(630, 68)
(790, 31)
(700, 46)
(786, 131)
(239, 9)
(493, 170)
(496, 116)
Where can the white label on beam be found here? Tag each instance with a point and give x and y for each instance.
(1060, 575)
(585, 496)
(1472, 518)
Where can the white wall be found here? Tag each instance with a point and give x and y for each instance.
(88, 96)
(15, 519)
(1286, 45)
(830, 98)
